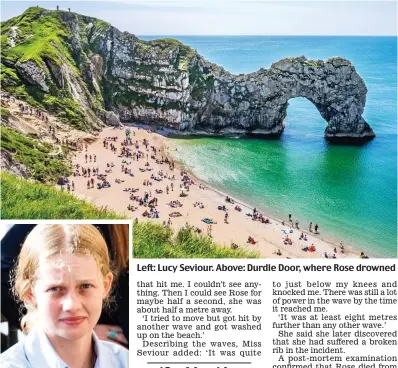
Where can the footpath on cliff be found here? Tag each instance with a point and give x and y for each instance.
(40, 125)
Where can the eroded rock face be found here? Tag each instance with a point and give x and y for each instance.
(31, 72)
(201, 97)
(112, 119)
(164, 82)
(8, 163)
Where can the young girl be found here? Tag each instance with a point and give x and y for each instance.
(63, 277)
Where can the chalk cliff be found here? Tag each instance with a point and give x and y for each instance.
(83, 68)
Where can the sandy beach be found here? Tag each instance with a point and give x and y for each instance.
(270, 238)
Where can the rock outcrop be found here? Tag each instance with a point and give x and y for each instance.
(32, 73)
(9, 164)
(164, 82)
(112, 119)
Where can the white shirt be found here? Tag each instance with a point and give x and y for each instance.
(37, 352)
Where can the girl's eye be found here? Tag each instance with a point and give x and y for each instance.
(86, 286)
(54, 289)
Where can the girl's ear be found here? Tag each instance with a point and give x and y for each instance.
(107, 283)
(30, 297)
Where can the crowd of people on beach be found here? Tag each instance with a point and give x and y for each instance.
(140, 155)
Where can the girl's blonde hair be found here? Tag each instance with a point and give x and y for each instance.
(49, 241)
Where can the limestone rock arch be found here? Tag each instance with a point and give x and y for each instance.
(257, 102)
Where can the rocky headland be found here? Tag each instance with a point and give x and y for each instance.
(90, 74)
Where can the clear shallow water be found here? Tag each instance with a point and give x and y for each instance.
(351, 192)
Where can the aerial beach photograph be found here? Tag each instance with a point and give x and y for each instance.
(240, 129)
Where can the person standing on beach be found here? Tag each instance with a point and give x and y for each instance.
(310, 227)
(172, 187)
(316, 228)
(290, 217)
(226, 218)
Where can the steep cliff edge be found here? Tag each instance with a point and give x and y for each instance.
(81, 67)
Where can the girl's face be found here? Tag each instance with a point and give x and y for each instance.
(68, 294)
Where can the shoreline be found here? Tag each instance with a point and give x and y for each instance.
(328, 238)
(269, 237)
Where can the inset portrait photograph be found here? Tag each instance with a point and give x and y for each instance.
(64, 294)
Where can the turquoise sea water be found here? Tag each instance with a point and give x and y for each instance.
(351, 192)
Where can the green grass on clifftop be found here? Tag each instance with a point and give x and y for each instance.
(40, 34)
(45, 38)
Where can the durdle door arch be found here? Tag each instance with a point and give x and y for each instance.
(256, 103)
(335, 89)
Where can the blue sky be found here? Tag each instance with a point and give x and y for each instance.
(228, 17)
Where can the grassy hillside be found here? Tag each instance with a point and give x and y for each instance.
(22, 199)
(64, 62)
(44, 38)
(34, 155)
(154, 241)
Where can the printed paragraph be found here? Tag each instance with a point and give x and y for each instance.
(320, 324)
(264, 313)
(185, 319)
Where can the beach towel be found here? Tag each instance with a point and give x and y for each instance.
(208, 221)
(175, 214)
